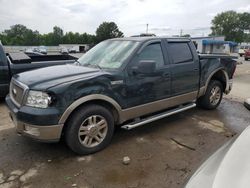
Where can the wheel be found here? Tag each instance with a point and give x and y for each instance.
(240, 55)
(90, 129)
(246, 59)
(212, 97)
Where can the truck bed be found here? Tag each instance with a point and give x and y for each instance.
(14, 63)
(22, 58)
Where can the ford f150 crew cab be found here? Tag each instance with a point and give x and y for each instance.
(13, 63)
(127, 82)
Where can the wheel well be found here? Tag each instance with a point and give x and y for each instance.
(220, 76)
(103, 103)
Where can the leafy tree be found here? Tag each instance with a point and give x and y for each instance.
(107, 30)
(245, 21)
(53, 38)
(232, 25)
(3, 38)
(57, 35)
(86, 38)
(20, 35)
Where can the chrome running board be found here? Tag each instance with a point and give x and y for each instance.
(158, 116)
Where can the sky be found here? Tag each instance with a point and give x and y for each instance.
(164, 17)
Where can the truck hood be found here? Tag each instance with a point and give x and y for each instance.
(44, 78)
(228, 167)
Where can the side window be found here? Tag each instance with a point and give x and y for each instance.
(152, 52)
(180, 52)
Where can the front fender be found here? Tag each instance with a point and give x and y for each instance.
(89, 98)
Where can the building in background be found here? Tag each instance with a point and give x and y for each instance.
(75, 48)
(71, 48)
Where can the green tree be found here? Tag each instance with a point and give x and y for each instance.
(57, 35)
(245, 21)
(53, 38)
(107, 30)
(20, 35)
(232, 25)
(87, 38)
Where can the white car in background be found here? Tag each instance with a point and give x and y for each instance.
(228, 167)
(42, 49)
(64, 51)
(243, 49)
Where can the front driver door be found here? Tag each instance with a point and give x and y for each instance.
(144, 88)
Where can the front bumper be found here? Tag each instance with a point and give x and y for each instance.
(39, 130)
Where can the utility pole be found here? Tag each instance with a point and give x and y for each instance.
(181, 33)
(147, 28)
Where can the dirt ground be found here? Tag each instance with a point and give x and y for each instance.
(164, 153)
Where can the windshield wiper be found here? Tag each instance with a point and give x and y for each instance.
(77, 63)
(92, 65)
(98, 66)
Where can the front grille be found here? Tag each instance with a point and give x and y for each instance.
(17, 92)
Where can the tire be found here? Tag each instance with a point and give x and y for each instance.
(246, 59)
(240, 55)
(91, 137)
(214, 88)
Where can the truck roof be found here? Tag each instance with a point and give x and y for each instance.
(142, 39)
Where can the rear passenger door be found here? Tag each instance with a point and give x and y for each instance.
(184, 68)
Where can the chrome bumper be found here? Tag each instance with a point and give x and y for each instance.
(51, 133)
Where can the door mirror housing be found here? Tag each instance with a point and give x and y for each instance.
(145, 67)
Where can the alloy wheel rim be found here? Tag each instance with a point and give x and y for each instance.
(93, 131)
(215, 95)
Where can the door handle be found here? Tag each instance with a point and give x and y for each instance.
(196, 69)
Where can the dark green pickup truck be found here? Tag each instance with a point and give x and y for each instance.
(127, 82)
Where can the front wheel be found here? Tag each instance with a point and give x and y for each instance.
(212, 97)
(90, 129)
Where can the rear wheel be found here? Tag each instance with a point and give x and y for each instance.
(212, 97)
(90, 129)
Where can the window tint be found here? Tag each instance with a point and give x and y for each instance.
(180, 52)
(152, 52)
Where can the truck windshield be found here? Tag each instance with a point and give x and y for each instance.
(109, 54)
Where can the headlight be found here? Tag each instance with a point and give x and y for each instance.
(38, 99)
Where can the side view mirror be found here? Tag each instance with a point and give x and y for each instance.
(145, 67)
